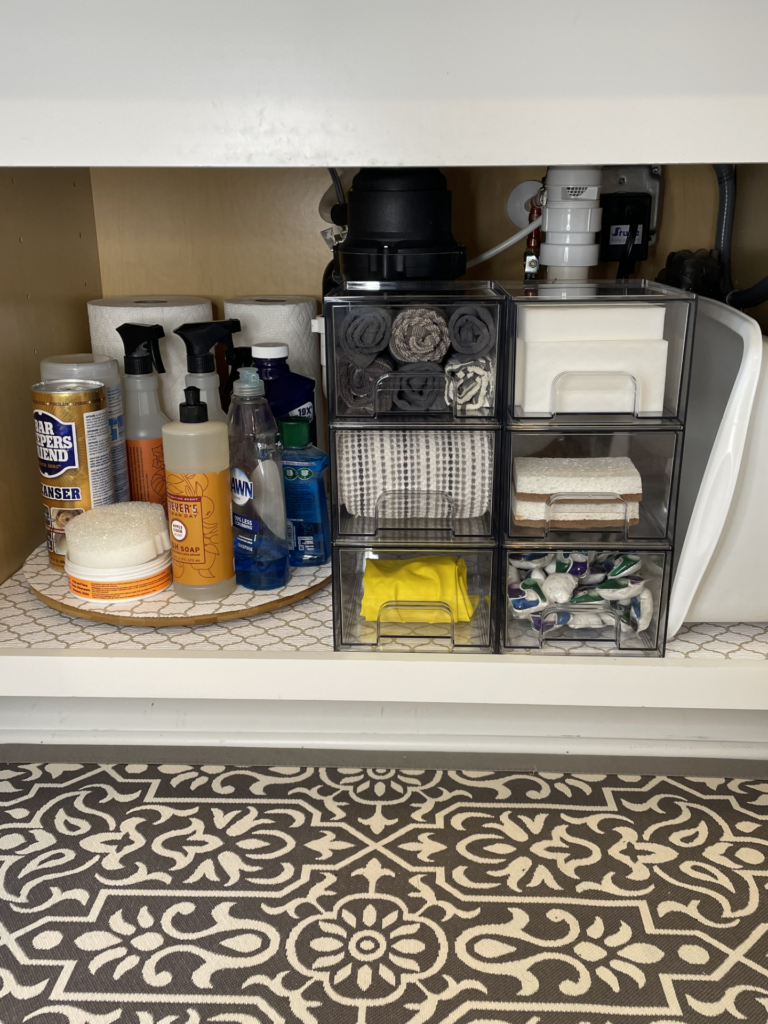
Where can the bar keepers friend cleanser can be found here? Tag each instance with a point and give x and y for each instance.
(72, 433)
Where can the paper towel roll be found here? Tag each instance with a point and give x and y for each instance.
(171, 311)
(285, 319)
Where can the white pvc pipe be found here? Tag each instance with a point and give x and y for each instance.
(504, 245)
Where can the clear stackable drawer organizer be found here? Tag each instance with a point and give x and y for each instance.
(506, 463)
(415, 400)
(596, 394)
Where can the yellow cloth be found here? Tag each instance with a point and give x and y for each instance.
(434, 578)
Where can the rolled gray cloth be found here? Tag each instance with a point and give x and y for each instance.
(420, 388)
(419, 334)
(364, 333)
(356, 385)
(472, 330)
(469, 383)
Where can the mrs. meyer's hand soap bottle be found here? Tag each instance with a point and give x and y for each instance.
(258, 502)
(199, 515)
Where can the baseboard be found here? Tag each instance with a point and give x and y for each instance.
(372, 728)
(701, 767)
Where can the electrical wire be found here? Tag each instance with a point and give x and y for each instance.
(726, 181)
(626, 263)
(337, 185)
(521, 234)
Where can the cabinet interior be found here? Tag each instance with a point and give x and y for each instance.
(70, 235)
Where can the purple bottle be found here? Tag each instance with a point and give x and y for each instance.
(288, 393)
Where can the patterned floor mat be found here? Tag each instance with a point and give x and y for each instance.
(173, 894)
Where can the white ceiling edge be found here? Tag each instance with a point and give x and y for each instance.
(248, 83)
(239, 132)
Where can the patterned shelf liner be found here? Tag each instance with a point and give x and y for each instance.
(25, 622)
(241, 602)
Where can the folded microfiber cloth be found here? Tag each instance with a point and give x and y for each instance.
(469, 382)
(419, 387)
(356, 385)
(419, 334)
(433, 578)
(364, 333)
(472, 330)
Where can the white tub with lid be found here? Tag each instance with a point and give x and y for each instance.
(120, 553)
(113, 586)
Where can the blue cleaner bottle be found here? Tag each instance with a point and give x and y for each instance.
(258, 501)
(306, 505)
(288, 393)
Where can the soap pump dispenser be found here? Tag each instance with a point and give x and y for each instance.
(200, 339)
(144, 418)
(199, 504)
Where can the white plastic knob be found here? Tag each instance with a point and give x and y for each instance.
(517, 210)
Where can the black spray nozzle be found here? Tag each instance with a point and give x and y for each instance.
(142, 348)
(238, 358)
(192, 410)
(201, 339)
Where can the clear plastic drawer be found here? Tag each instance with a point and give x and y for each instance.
(432, 600)
(591, 488)
(584, 602)
(599, 351)
(414, 355)
(414, 486)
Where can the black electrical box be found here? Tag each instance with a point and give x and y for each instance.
(620, 211)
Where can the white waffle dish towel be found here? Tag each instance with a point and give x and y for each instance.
(456, 463)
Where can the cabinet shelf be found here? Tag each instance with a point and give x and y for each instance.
(288, 655)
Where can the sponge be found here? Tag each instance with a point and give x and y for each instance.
(535, 479)
(118, 536)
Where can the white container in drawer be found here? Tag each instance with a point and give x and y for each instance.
(590, 358)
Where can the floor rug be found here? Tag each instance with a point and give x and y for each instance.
(178, 894)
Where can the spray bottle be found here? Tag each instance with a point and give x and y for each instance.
(200, 339)
(199, 506)
(143, 417)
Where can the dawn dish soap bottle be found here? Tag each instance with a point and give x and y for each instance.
(256, 480)
(288, 393)
(306, 504)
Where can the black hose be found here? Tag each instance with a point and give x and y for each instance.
(337, 185)
(749, 297)
(726, 180)
(746, 297)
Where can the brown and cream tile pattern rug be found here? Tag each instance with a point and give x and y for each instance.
(176, 894)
